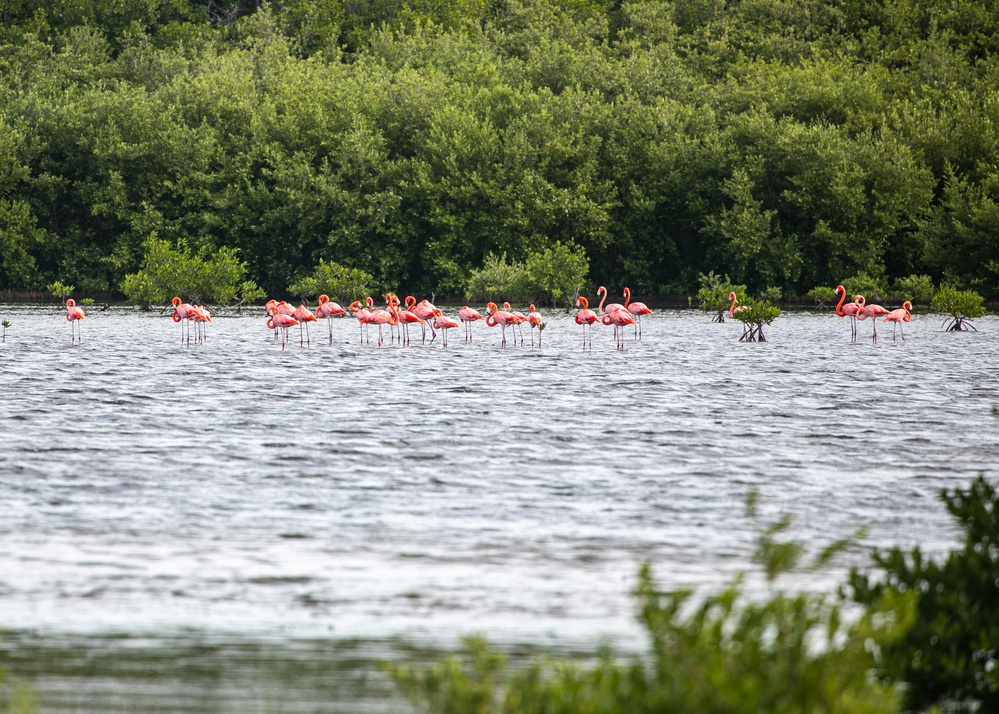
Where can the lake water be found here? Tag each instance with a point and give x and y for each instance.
(160, 498)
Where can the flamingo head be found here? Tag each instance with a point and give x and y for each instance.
(859, 301)
(70, 302)
(175, 302)
(731, 296)
(584, 301)
(601, 290)
(323, 299)
(410, 302)
(370, 302)
(839, 289)
(907, 305)
(627, 296)
(491, 307)
(355, 306)
(532, 308)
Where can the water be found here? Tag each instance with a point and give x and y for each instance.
(239, 493)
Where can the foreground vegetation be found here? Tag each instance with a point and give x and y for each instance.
(925, 635)
(787, 144)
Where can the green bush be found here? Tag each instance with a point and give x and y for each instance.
(951, 653)
(822, 295)
(713, 294)
(772, 294)
(961, 305)
(497, 280)
(168, 272)
(754, 316)
(340, 283)
(864, 284)
(729, 653)
(554, 275)
(915, 288)
(60, 291)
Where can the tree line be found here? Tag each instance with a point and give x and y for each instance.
(788, 144)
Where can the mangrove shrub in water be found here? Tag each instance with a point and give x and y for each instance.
(961, 305)
(340, 283)
(713, 294)
(754, 315)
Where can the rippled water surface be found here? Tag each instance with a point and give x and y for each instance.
(235, 489)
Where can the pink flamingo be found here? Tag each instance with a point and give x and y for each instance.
(495, 316)
(182, 311)
(732, 309)
(619, 318)
(425, 310)
(407, 317)
(519, 319)
(534, 320)
(361, 313)
(74, 315)
(443, 323)
(201, 319)
(610, 308)
(902, 314)
(586, 317)
(279, 320)
(850, 310)
(870, 311)
(637, 309)
(468, 315)
(304, 317)
(327, 310)
(382, 317)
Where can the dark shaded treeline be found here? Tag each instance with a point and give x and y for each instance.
(787, 143)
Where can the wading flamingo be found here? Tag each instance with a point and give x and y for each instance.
(619, 318)
(468, 315)
(495, 316)
(519, 319)
(406, 318)
(201, 319)
(869, 311)
(637, 309)
(444, 323)
(849, 310)
(903, 314)
(181, 312)
(361, 313)
(534, 320)
(732, 309)
(74, 315)
(382, 317)
(327, 310)
(281, 321)
(425, 310)
(586, 317)
(304, 317)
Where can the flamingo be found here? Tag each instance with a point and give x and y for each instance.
(534, 320)
(281, 320)
(182, 311)
(637, 309)
(519, 319)
(468, 315)
(902, 314)
(619, 318)
(610, 308)
(201, 319)
(382, 317)
(850, 310)
(361, 313)
(443, 323)
(304, 317)
(74, 315)
(327, 310)
(408, 317)
(424, 309)
(732, 309)
(870, 311)
(495, 316)
(586, 317)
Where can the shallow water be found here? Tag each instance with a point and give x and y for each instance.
(239, 490)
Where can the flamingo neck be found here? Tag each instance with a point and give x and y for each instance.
(586, 303)
(731, 307)
(627, 296)
(602, 291)
(839, 306)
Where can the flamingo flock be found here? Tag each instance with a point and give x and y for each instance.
(398, 316)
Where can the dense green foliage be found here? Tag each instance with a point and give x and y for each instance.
(552, 275)
(786, 144)
(725, 653)
(338, 282)
(951, 652)
(961, 305)
(713, 294)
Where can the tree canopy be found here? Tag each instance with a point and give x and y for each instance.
(784, 144)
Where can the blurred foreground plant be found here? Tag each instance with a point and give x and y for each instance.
(727, 653)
